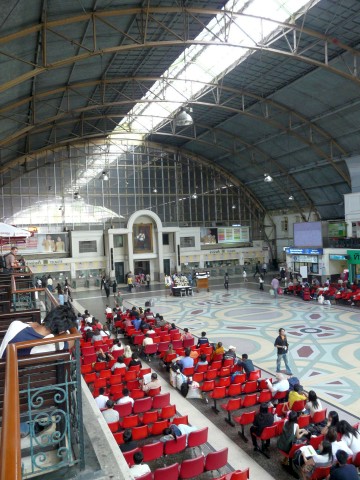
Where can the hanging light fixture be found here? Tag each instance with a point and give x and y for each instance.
(194, 196)
(291, 197)
(233, 207)
(267, 178)
(155, 190)
(105, 176)
(183, 118)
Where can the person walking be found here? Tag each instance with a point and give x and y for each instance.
(114, 288)
(244, 276)
(107, 288)
(261, 282)
(282, 347)
(226, 281)
(264, 269)
(275, 286)
(147, 280)
(257, 269)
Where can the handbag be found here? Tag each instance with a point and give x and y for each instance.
(271, 292)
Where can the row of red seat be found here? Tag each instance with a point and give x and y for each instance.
(175, 472)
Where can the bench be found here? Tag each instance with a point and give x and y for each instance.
(25, 316)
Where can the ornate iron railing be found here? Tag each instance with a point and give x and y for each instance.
(51, 410)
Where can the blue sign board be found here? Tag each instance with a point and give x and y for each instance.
(304, 251)
(338, 257)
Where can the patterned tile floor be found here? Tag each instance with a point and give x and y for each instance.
(324, 341)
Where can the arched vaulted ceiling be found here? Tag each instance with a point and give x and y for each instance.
(72, 70)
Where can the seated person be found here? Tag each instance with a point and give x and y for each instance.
(336, 444)
(246, 364)
(119, 363)
(139, 469)
(101, 399)
(262, 420)
(186, 361)
(154, 383)
(296, 395)
(219, 350)
(186, 335)
(125, 398)
(129, 443)
(135, 360)
(203, 340)
(231, 353)
(110, 415)
(202, 361)
(281, 385)
(343, 470)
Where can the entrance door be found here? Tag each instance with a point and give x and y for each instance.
(141, 266)
(119, 272)
(166, 266)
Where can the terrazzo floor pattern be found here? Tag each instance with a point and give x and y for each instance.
(324, 341)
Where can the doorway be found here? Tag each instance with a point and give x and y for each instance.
(141, 266)
(119, 272)
(167, 266)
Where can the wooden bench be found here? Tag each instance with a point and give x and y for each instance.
(25, 316)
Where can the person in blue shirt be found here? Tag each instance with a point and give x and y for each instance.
(203, 340)
(136, 322)
(187, 361)
(246, 364)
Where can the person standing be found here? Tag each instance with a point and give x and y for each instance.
(114, 285)
(50, 283)
(264, 269)
(226, 281)
(275, 286)
(282, 347)
(130, 283)
(147, 279)
(10, 260)
(107, 288)
(257, 269)
(261, 282)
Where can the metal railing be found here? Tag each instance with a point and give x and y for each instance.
(52, 412)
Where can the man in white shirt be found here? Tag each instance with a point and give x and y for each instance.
(101, 399)
(155, 383)
(125, 398)
(139, 468)
(110, 414)
(282, 384)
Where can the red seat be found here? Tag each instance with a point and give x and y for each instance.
(90, 377)
(255, 375)
(188, 342)
(320, 473)
(198, 376)
(315, 441)
(142, 405)
(168, 411)
(304, 421)
(138, 339)
(130, 375)
(246, 418)
(177, 343)
(144, 371)
(114, 426)
(188, 371)
(119, 437)
(150, 350)
(224, 372)
(158, 427)
(139, 433)
(129, 456)
(202, 368)
(191, 468)
(234, 390)
(249, 400)
(267, 434)
(150, 417)
(115, 379)
(231, 405)
(86, 368)
(216, 460)
(228, 362)
(137, 394)
(292, 451)
(175, 446)
(130, 421)
(356, 460)
(250, 386)
(298, 406)
(319, 416)
(197, 438)
(170, 473)
(135, 368)
(118, 371)
(264, 396)
(240, 378)
(211, 374)
(208, 386)
(105, 373)
(237, 475)
(87, 350)
(133, 385)
(223, 382)
(280, 395)
(153, 392)
(182, 420)
(100, 366)
(124, 409)
(153, 451)
(161, 400)
(217, 394)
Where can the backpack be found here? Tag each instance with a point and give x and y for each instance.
(292, 382)
(184, 389)
(3, 260)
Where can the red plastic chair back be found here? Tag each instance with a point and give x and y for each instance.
(192, 467)
(153, 451)
(124, 409)
(199, 437)
(246, 418)
(142, 405)
(162, 400)
(320, 473)
(234, 390)
(139, 433)
(150, 417)
(319, 416)
(175, 446)
(130, 421)
(129, 456)
(182, 420)
(250, 386)
(170, 473)
(255, 375)
(158, 427)
(249, 400)
(168, 412)
(298, 406)
(216, 460)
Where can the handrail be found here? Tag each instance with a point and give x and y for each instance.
(10, 447)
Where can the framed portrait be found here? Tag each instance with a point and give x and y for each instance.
(142, 238)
